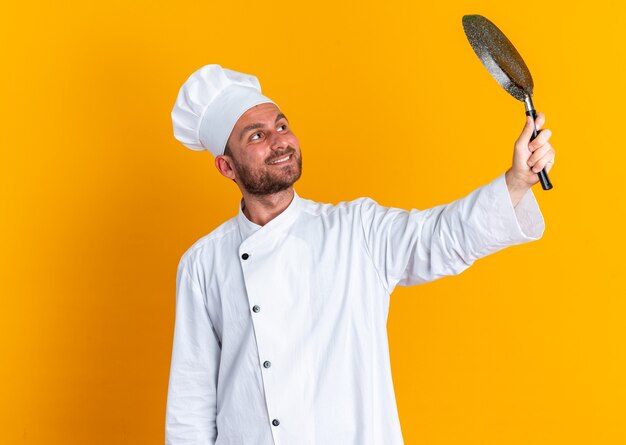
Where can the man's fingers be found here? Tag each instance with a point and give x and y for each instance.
(540, 153)
(540, 140)
(545, 156)
(549, 164)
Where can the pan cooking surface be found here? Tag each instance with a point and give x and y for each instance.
(499, 56)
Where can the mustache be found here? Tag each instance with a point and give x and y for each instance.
(288, 151)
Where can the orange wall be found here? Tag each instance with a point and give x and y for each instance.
(389, 101)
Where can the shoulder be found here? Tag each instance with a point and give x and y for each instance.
(223, 235)
(341, 209)
(360, 211)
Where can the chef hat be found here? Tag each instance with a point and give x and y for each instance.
(209, 104)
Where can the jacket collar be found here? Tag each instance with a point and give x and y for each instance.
(280, 222)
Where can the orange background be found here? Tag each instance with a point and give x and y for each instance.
(99, 201)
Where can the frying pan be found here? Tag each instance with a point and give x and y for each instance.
(505, 65)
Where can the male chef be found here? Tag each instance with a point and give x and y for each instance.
(280, 334)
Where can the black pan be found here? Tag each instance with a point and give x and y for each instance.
(505, 65)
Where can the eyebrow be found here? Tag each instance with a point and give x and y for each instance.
(255, 126)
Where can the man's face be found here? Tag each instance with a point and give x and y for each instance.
(266, 156)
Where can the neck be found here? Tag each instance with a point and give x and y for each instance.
(262, 209)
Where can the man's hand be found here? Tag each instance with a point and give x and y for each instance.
(529, 158)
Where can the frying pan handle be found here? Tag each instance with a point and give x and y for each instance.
(543, 174)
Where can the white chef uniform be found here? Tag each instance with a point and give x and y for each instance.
(280, 335)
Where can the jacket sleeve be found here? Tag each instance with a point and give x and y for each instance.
(192, 393)
(417, 246)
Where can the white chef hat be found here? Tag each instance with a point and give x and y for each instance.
(209, 104)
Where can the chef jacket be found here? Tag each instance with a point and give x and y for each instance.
(280, 333)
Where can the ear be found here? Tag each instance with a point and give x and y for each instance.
(224, 165)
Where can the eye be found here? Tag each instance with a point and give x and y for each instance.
(283, 126)
(252, 138)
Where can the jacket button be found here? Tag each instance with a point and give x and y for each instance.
(266, 364)
(275, 422)
(256, 308)
(245, 256)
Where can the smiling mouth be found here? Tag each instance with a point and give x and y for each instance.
(281, 160)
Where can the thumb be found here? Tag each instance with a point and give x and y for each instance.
(528, 130)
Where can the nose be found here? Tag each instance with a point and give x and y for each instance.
(278, 141)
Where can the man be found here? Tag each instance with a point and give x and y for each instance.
(280, 335)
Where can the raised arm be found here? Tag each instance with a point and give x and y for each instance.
(412, 247)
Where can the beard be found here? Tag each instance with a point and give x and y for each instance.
(269, 180)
